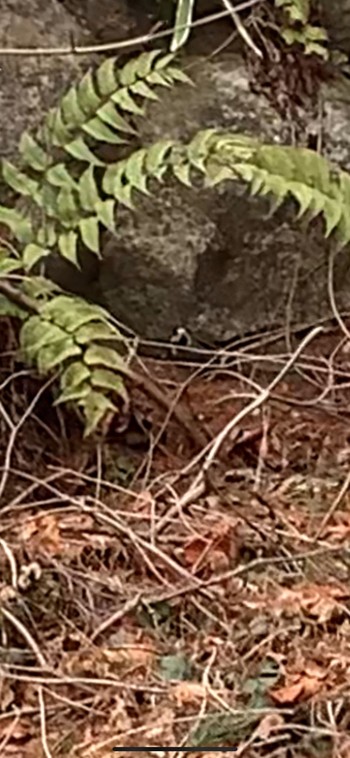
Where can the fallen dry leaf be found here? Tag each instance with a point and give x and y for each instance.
(186, 693)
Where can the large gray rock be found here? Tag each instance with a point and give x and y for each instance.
(207, 260)
(29, 85)
(211, 261)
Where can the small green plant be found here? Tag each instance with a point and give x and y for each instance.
(295, 29)
(68, 193)
(298, 30)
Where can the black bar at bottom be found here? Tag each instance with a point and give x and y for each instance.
(174, 749)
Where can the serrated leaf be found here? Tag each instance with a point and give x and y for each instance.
(106, 357)
(95, 407)
(54, 354)
(106, 76)
(183, 20)
(110, 115)
(156, 156)
(59, 176)
(67, 243)
(79, 150)
(101, 132)
(135, 170)
(18, 181)
(105, 212)
(143, 90)
(33, 155)
(33, 253)
(88, 98)
(126, 102)
(88, 192)
(70, 108)
(90, 233)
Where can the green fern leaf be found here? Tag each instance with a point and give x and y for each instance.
(343, 229)
(142, 89)
(105, 212)
(158, 79)
(198, 150)
(54, 354)
(18, 224)
(18, 181)
(46, 236)
(8, 263)
(182, 172)
(101, 132)
(126, 102)
(109, 114)
(128, 74)
(67, 243)
(33, 155)
(79, 150)
(58, 130)
(156, 157)
(88, 98)
(75, 375)
(37, 333)
(59, 176)
(94, 331)
(112, 176)
(71, 110)
(145, 63)
(67, 206)
(107, 380)
(88, 192)
(33, 253)
(90, 233)
(95, 407)
(96, 355)
(135, 172)
(174, 74)
(70, 313)
(74, 394)
(107, 80)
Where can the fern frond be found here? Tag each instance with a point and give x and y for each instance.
(66, 336)
(67, 198)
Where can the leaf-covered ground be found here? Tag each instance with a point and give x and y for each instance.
(148, 601)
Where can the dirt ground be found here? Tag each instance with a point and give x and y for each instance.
(149, 599)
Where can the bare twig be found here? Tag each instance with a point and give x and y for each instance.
(123, 44)
(214, 447)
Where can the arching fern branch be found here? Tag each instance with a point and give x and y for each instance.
(58, 180)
